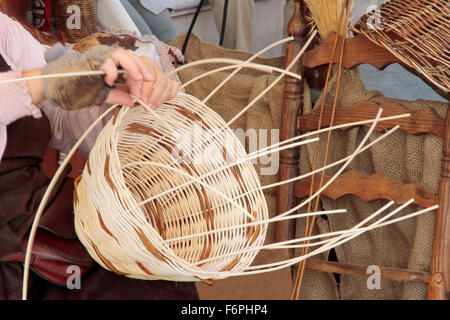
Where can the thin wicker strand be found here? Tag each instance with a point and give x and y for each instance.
(45, 198)
(287, 263)
(285, 244)
(257, 154)
(244, 65)
(335, 176)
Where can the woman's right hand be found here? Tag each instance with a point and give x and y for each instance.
(143, 73)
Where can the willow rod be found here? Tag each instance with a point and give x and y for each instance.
(283, 244)
(45, 198)
(310, 224)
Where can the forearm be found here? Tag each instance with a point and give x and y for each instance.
(35, 87)
(15, 98)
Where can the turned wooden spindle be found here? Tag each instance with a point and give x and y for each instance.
(439, 284)
(291, 108)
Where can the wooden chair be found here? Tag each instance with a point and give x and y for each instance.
(360, 50)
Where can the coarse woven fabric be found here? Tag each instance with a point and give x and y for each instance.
(403, 157)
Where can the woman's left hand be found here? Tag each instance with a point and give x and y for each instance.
(144, 79)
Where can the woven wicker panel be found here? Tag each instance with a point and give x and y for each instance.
(88, 18)
(416, 32)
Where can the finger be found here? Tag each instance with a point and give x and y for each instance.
(123, 87)
(172, 89)
(144, 64)
(147, 89)
(135, 87)
(175, 89)
(142, 89)
(119, 97)
(157, 94)
(166, 94)
(123, 59)
(111, 72)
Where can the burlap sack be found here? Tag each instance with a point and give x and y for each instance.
(403, 157)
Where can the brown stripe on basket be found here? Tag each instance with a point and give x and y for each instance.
(139, 128)
(147, 243)
(194, 117)
(207, 212)
(150, 215)
(240, 179)
(160, 220)
(206, 248)
(102, 224)
(191, 116)
(186, 165)
(251, 229)
(206, 208)
(255, 235)
(231, 265)
(208, 282)
(141, 266)
(205, 251)
(75, 194)
(107, 176)
(106, 262)
(88, 167)
(252, 232)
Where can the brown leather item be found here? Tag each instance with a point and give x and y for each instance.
(56, 247)
(52, 257)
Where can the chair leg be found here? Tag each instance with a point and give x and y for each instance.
(439, 287)
(292, 106)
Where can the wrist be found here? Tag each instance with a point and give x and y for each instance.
(36, 87)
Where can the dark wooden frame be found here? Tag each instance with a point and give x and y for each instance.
(358, 50)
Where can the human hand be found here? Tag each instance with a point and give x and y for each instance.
(144, 78)
(77, 92)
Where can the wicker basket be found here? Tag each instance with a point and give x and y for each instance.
(138, 215)
(64, 16)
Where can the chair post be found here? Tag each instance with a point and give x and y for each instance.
(292, 106)
(439, 284)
